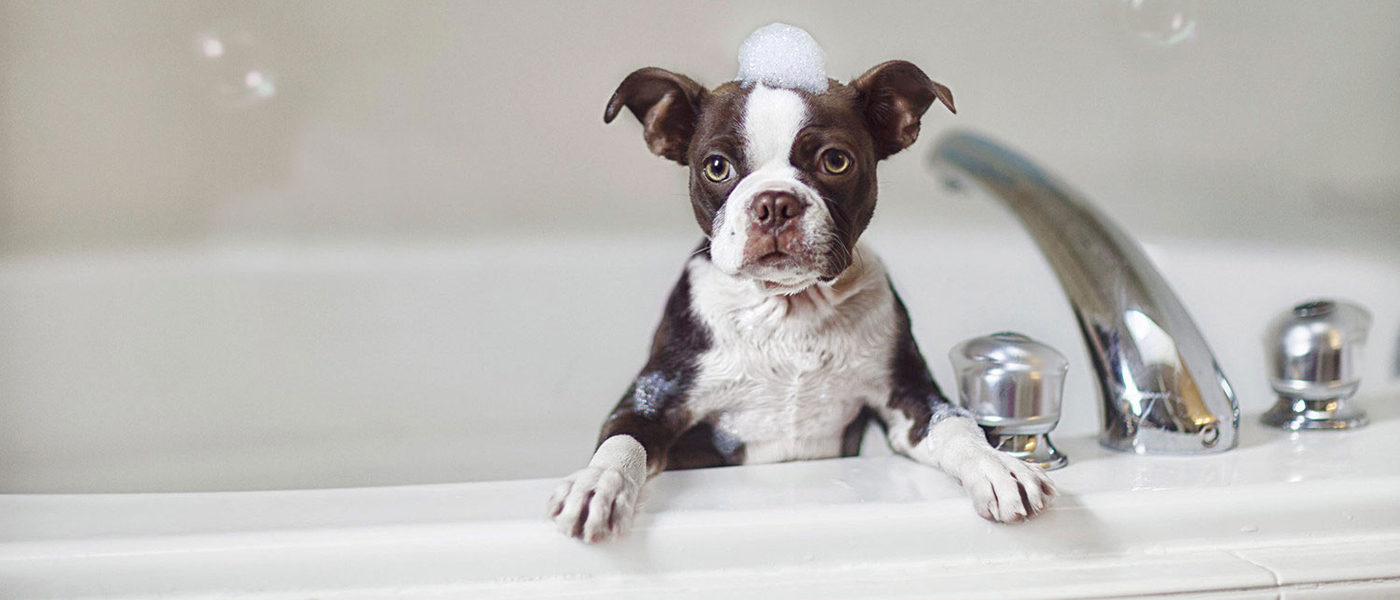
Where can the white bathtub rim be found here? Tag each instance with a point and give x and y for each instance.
(760, 524)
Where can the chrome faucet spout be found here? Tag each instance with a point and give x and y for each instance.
(1161, 389)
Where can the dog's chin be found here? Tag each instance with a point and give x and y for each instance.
(782, 274)
(781, 267)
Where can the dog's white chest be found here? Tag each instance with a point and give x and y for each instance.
(785, 375)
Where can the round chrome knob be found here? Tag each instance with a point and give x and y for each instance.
(1314, 354)
(1012, 386)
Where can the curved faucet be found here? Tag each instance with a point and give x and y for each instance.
(1160, 387)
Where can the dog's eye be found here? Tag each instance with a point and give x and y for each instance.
(716, 168)
(836, 162)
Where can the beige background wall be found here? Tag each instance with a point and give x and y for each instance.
(436, 121)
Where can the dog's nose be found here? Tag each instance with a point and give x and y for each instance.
(772, 210)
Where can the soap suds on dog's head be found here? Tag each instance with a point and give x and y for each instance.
(782, 56)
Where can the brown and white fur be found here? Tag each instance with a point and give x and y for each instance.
(783, 336)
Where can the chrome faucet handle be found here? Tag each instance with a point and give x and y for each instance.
(1314, 353)
(1012, 385)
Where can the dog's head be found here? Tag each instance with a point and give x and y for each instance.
(782, 179)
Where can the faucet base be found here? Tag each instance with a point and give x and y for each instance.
(1032, 448)
(1297, 414)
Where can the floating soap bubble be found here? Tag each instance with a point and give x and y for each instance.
(1160, 22)
(235, 66)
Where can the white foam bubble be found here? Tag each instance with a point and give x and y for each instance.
(782, 56)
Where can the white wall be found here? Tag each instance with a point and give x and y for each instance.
(450, 121)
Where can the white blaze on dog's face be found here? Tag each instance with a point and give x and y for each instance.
(773, 225)
(782, 162)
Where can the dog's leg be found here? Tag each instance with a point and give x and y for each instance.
(1003, 488)
(924, 426)
(597, 502)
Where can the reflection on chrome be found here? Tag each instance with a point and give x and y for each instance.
(1012, 386)
(1162, 391)
(1314, 353)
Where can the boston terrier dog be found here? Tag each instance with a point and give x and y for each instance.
(783, 336)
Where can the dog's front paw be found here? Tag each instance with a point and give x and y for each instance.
(594, 504)
(1006, 489)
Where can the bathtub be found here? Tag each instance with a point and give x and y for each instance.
(365, 421)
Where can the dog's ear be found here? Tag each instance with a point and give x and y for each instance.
(894, 96)
(668, 106)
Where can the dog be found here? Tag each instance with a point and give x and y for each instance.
(784, 336)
